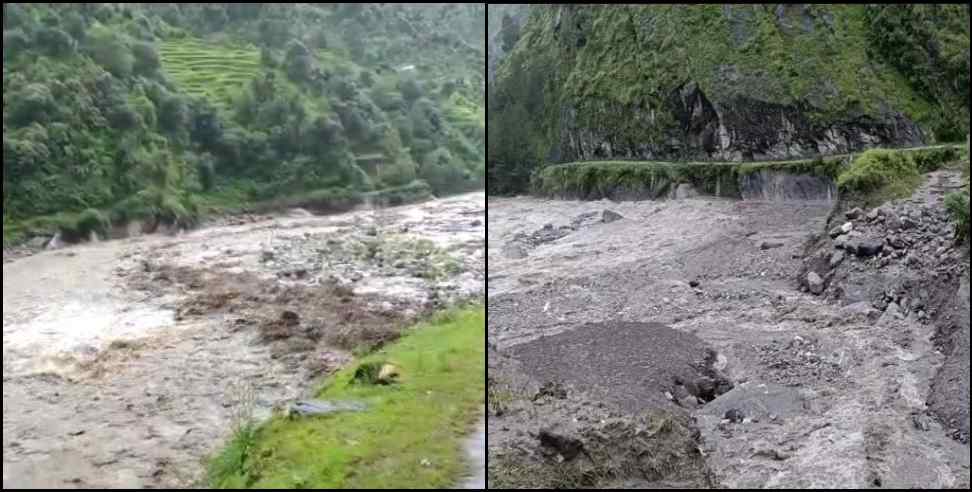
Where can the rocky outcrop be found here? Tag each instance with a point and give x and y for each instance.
(739, 129)
(704, 82)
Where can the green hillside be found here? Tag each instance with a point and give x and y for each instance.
(165, 111)
(725, 82)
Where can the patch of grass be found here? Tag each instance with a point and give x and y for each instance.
(207, 70)
(958, 205)
(876, 169)
(13, 234)
(235, 457)
(410, 437)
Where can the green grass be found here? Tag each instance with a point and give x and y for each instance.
(857, 173)
(211, 71)
(421, 419)
(12, 234)
(876, 169)
(958, 205)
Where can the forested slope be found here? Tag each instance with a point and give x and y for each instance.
(159, 112)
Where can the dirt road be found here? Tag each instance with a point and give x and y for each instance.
(120, 369)
(827, 394)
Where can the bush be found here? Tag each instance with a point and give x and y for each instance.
(958, 205)
(14, 43)
(157, 205)
(173, 114)
(298, 62)
(442, 171)
(268, 59)
(411, 90)
(147, 61)
(14, 16)
(110, 51)
(274, 32)
(55, 42)
(76, 26)
(426, 120)
(90, 221)
(875, 169)
(207, 173)
(934, 159)
(34, 103)
(124, 117)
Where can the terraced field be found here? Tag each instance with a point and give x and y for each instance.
(208, 70)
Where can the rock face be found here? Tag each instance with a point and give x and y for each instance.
(625, 98)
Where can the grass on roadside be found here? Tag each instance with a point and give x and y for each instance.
(410, 437)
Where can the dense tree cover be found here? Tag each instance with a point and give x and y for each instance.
(141, 110)
(929, 44)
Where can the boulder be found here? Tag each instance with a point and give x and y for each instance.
(37, 243)
(854, 214)
(837, 259)
(815, 283)
(684, 191)
(608, 216)
(869, 248)
(766, 245)
(566, 446)
(840, 231)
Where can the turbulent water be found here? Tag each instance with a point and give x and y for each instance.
(108, 383)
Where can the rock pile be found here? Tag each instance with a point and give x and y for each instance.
(899, 236)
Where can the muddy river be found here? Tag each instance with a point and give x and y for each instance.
(121, 369)
(834, 394)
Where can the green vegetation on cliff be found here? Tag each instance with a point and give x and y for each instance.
(875, 175)
(147, 111)
(725, 82)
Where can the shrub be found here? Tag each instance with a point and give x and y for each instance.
(76, 26)
(274, 32)
(110, 51)
(298, 62)
(90, 221)
(173, 114)
(426, 120)
(146, 111)
(934, 159)
(207, 173)
(268, 59)
(147, 61)
(14, 15)
(55, 42)
(124, 117)
(411, 89)
(875, 169)
(34, 103)
(14, 43)
(442, 171)
(958, 205)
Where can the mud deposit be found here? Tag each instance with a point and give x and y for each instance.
(836, 390)
(125, 362)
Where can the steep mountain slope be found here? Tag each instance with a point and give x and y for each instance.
(725, 82)
(158, 112)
